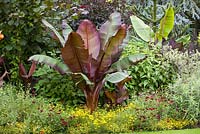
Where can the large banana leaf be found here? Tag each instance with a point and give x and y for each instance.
(144, 31)
(126, 62)
(90, 36)
(54, 63)
(109, 28)
(47, 24)
(166, 24)
(75, 55)
(116, 77)
(112, 51)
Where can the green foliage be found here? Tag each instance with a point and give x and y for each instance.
(187, 13)
(153, 74)
(185, 91)
(146, 33)
(58, 87)
(21, 24)
(143, 31)
(27, 114)
(184, 62)
(151, 110)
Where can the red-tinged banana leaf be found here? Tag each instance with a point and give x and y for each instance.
(27, 78)
(47, 24)
(112, 51)
(90, 36)
(32, 69)
(111, 95)
(121, 47)
(22, 70)
(120, 94)
(126, 62)
(126, 40)
(54, 63)
(118, 50)
(109, 28)
(75, 55)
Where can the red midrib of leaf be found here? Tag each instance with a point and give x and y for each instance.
(74, 53)
(113, 43)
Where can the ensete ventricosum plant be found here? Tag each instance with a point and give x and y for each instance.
(92, 56)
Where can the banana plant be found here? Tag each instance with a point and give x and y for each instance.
(92, 57)
(146, 33)
(27, 77)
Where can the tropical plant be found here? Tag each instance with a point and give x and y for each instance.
(186, 14)
(92, 57)
(152, 75)
(27, 77)
(147, 34)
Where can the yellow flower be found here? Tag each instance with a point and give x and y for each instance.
(109, 1)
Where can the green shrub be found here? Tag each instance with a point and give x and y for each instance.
(150, 109)
(21, 24)
(154, 73)
(185, 91)
(184, 62)
(59, 87)
(155, 112)
(27, 114)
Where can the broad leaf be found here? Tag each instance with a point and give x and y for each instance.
(22, 70)
(112, 52)
(126, 62)
(144, 31)
(75, 55)
(66, 30)
(54, 63)
(90, 36)
(122, 92)
(109, 28)
(27, 78)
(125, 41)
(116, 77)
(32, 69)
(166, 24)
(47, 24)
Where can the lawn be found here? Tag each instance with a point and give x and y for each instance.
(184, 131)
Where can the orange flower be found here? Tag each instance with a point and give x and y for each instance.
(1, 36)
